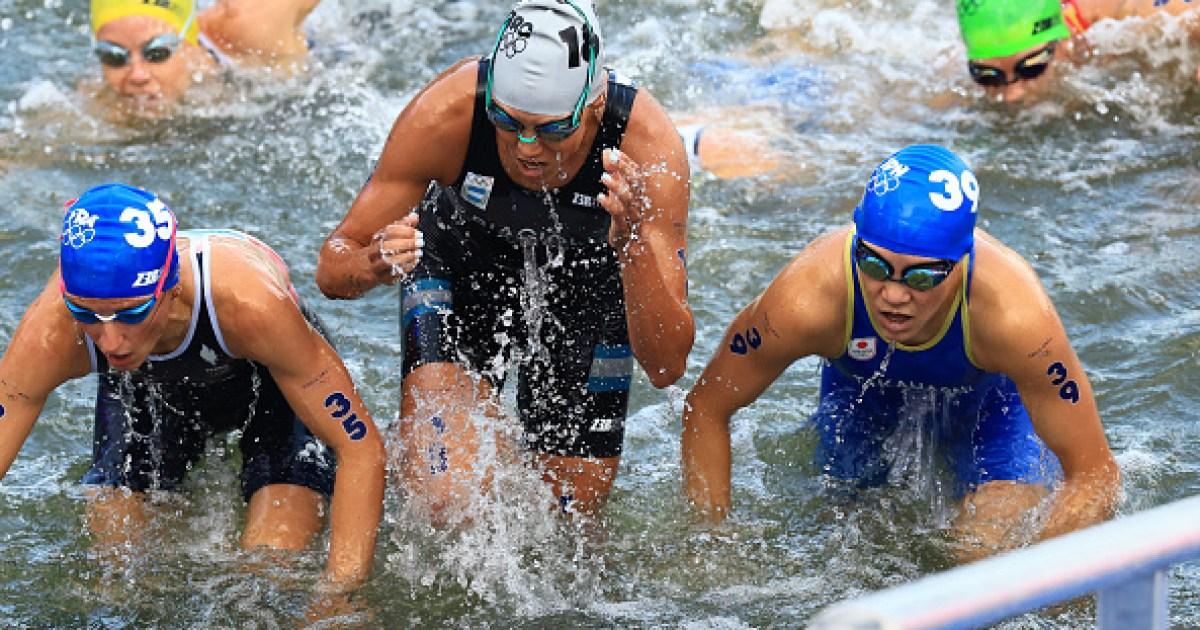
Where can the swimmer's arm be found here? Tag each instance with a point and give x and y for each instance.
(646, 194)
(267, 32)
(377, 237)
(800, 314)
(1029, 344)
(264, 324)
(1095, 10)
(44, 353)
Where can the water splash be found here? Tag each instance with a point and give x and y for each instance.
(509, 549)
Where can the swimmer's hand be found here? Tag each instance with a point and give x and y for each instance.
(395, 250)
(625, 199)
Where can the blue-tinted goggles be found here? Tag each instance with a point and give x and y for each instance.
(157, 50)
(132, 315)
(919, 277)
(555, 130)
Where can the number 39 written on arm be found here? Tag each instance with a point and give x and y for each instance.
(1068, 390)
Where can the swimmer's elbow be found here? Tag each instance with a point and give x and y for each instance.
(333, 284)
(668, 374)
(326, 282)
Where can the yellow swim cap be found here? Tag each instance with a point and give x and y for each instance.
(178, 13)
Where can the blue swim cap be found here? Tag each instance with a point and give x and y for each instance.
(920, 201)
(116, 239)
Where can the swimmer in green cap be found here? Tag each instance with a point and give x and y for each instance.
(150, 52)
(1012, 44)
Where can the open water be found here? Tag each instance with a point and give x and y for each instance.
(1098, 188)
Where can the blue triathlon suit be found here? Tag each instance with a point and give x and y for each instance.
(977, 420)
(468, 302)
(152, 424)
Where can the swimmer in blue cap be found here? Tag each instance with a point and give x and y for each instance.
(549, 170)
(196, 333)
(913, 297)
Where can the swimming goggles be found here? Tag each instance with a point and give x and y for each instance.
(555, 130)
(919, 277)
(1029, 67)
(130, 316)
(158, 50)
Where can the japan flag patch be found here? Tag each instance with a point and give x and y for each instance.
(862, 348)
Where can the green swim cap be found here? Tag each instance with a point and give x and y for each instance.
(998, 28)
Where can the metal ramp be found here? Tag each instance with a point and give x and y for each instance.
(1124, 561)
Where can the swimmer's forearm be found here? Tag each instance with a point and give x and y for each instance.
(1082, 502)
(17, 417)
(707, 462)
(661, 327)
(344, 269)
(355, 516)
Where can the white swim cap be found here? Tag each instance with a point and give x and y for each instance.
(541, 58)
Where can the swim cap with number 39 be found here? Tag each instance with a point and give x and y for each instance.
(920, 201)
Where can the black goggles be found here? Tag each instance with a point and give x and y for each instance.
(1029, 67)
(157, 50)
(919, 277)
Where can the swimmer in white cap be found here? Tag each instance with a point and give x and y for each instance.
(543, 159)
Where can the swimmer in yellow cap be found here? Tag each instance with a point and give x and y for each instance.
(1012, 44)
(150, 50)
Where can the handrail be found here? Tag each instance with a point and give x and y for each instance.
(1124, 561)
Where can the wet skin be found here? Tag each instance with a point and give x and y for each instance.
(139, 83)
(903, 314)
(544, 163)
(1024, 90)
(127, 346)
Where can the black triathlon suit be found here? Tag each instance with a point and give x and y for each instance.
(510, 274)
(152, 424)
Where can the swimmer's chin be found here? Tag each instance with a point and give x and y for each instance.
(146, 106)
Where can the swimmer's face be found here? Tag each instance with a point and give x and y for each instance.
(126, 346)
(1022, 76)
(143, 84)
(901, 313)
(545, 162)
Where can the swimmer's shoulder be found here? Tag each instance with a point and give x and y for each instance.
(1006, 294)
(444, 108)
(808, 298)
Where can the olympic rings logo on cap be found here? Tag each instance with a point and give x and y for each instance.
(516, 36)
(969, 7)
(886, 177)
(80, 228)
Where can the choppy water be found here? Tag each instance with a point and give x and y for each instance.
(1098, 190)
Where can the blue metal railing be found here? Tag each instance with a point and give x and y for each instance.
(1124, 561)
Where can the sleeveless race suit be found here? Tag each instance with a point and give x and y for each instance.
(1073, 17)
(976, 418)
(508, 273)
(152, 424)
